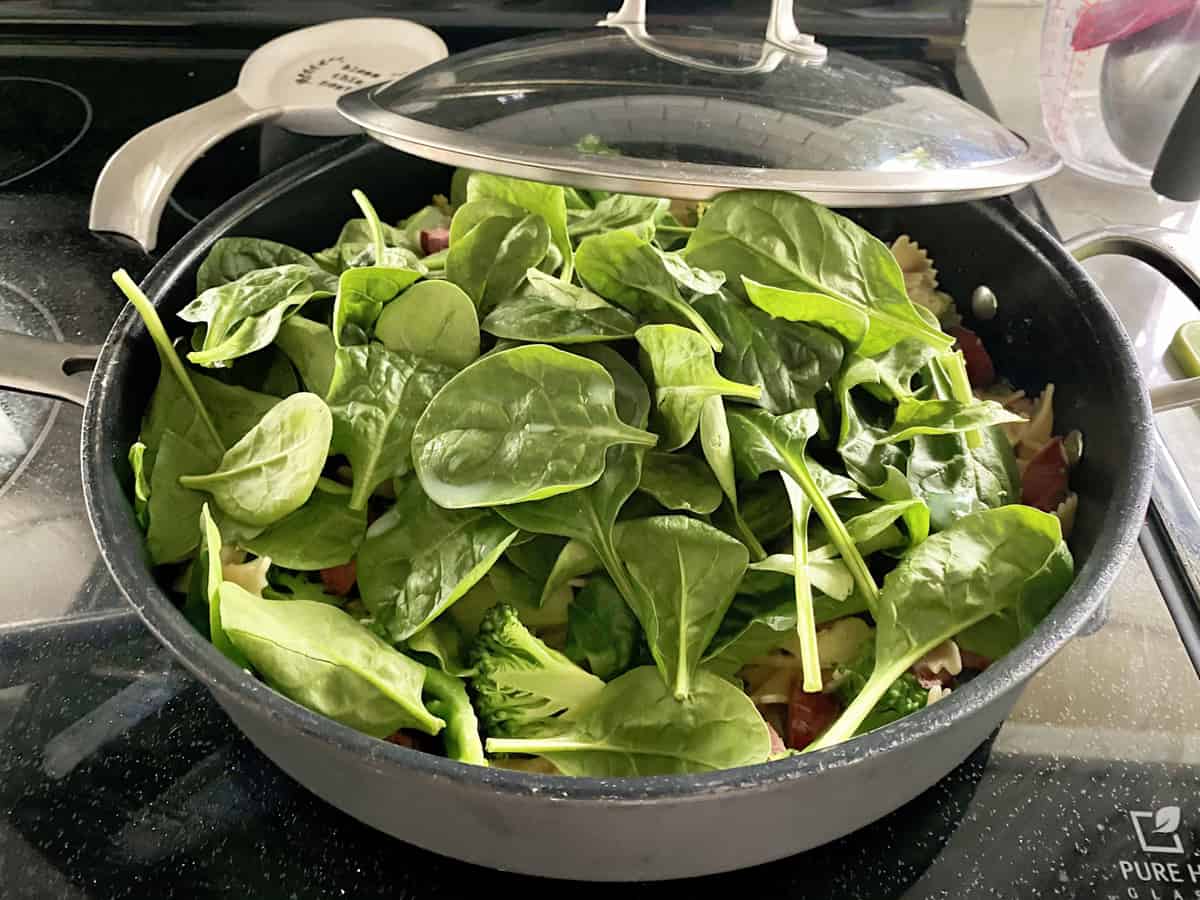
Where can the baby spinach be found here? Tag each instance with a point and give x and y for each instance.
(311, 348)
(320, 657)
(616, 211)
(546, 201)
(232, 257)
(914, 417)
(766, 443)
(418, 559)
(686, 573)
(204, 593)
(788, 361)
(433, 319)
(806, 626)
(717, 447)
(376, 396)
(499, 431)
(631, 272)
(547, 309)
(635, 726)
(602, 630)
(576, 559)
(141, 483)
(442, 639)
(361, 295)
(684, 377)
(173, 509)
(982, 564)
(273, 469)
(243, 316)
(322, 533)
(491, 249)
(355, 245)
(787, 241)
(679, 481)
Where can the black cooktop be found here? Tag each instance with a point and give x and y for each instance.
(120, 777)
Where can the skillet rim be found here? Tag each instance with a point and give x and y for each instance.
(120, 545)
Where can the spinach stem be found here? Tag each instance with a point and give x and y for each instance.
(373, 223)
(860, 707)
(806, 625)
(166, 351)
(954, 367)
(757, 553)
(837, 533)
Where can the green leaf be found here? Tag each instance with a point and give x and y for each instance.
(602, 630)
(273, 469)
(322, 533)
(686, 573)
(204, 593)
(524, 424)
(679, 481)
(491, 252)
(547, 309)
(766, 443)
(630, 271)
(361, 295)
(232, 257)
(806, 626)
(311, 348)
(443, 640)
(982, 564)
(914, 417)
(354, 246)
(637, 727)
(616, 211)
(376, 397)
(141, 484)
(433, 319)
(576, 560)
(789, 361)
(245, 315)
(544, 200)
(297, 586)
(717, 447)
(683, 378)
(323, 659)
(173, 509)
(419, 558)
(786, 241)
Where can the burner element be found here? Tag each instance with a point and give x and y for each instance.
(40, 120)
(24, 419)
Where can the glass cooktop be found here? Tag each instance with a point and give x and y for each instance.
(120, 777)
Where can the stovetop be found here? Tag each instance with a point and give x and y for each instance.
(120, 777)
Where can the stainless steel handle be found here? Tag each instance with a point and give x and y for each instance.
(782, 39)
(1168, 252)
(54, 368)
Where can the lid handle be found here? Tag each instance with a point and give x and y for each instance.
(782, 39)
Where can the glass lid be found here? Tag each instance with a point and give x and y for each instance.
(689, 112)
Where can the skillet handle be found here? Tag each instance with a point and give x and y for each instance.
(1169, 253)
(54, 368)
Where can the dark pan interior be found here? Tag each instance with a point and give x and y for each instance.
(1052, 325)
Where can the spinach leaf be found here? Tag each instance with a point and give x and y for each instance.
(447, 699)
(320, 657)
(273, 469)
(322, 533)
(982, 564)
(588, 516)
(546, 201)
(766, 443)
(717, 447)
(204, 592)
(686, 573)
(547, 309)
(361, 295)
(355, 246)
(679, 481)
(616, 211)
(500, 432)
(536, 557)
(631, 272)
(788, 361)
(433, 319)
(602, 630)
(141, 483)
(914, 417)
(245, 315)
(173, 509)
(635, 726)
(490, 253)
(786, 241)
(867, 520)
(684, 377)
(418, 559)
(443, 640)
(232, 257)
(376, 396)
(297, 586)
(311, 348)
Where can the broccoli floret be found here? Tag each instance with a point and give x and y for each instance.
(520, 684)
(904, 696)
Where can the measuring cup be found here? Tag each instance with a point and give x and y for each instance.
(294, 80)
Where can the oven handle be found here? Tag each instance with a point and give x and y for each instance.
(1168, 252)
